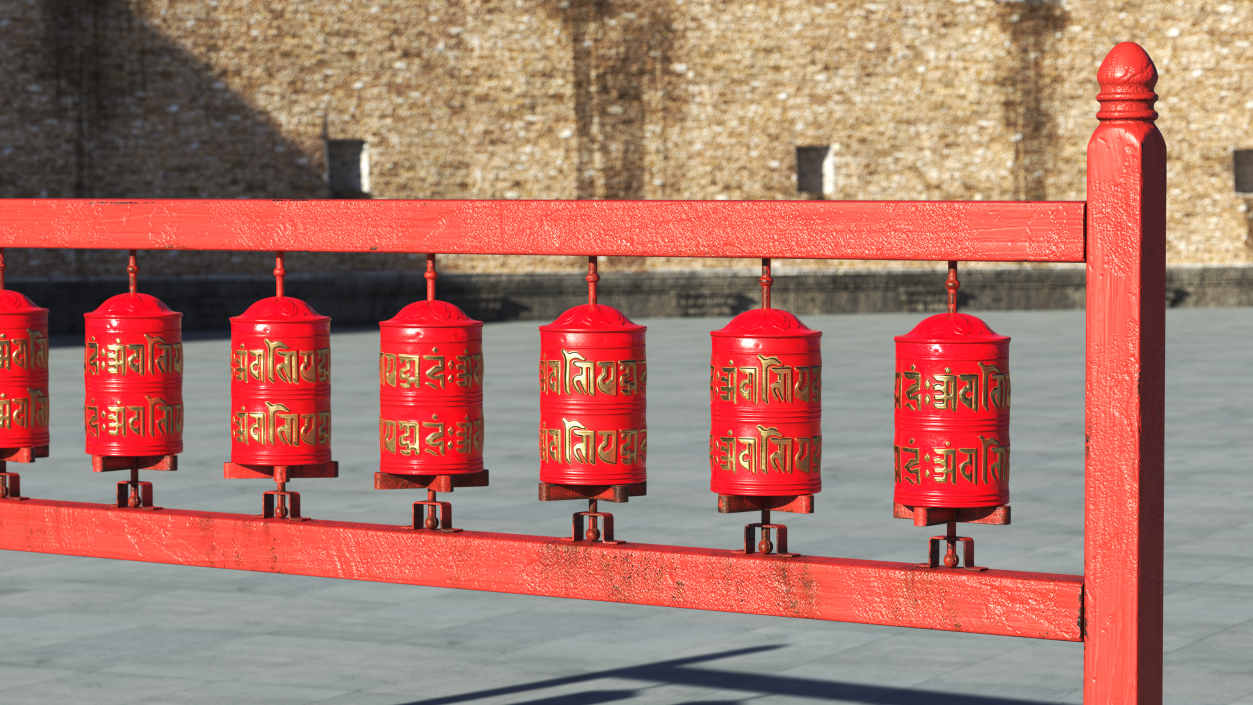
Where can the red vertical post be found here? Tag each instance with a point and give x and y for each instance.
(1126, 324)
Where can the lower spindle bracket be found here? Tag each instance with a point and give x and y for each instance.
(134, 494)
(433, 515)
(281, 504)
(11, 486)
(595, 519)
(765, 547)
(950, 556)
(11, 482)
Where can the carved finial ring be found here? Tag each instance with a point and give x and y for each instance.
(1127, 77)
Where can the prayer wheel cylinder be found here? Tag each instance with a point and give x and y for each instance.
(592, 376)
(765, 397)
(280, 384)
(952, 395)
(431, 391)
(133, 368)
(23, 372)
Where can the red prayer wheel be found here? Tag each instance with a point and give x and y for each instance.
(765, 397)
(23, 372)
(431, 391)
(280, 384)
(592, 376)
(133, 368)
(952, 394)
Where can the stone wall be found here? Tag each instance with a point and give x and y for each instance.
(684, 99)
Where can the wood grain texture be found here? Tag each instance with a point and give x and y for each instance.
(891, 230)
(1009, 603)
(1125, 403)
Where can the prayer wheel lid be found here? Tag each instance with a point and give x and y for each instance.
(952, 328)
(592, 317)
(766, 323)
(14, 302)
(431, 314)
(132, 306)
(283, 309)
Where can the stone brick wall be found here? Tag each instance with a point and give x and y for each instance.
(684, 99)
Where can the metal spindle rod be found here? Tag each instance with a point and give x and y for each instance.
(132, 272)
(766, 281)
(592, 278)
(431, 275)
(952, 285)
(279, 273)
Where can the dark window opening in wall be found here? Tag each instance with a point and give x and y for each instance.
(348, 168)
(815, 171)
(1243, 164)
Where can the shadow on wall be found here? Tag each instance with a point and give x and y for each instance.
(621, 51)
(125, 112)
(1032, 26)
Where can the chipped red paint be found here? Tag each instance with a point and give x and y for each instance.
(1126, 332)
(917, 230)
(834, 589)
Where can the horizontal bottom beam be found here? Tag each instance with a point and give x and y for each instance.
(1037, 605)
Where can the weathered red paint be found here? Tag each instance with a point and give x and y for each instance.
(431, 391)
(919, 230)
(1126, 324)
(1118, 611)
(952, 396)
(593, 381)
(23, 372)
(133, 373)
(834, 589)
(280, 384)
(765, 397)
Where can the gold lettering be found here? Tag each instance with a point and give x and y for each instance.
(435, 373)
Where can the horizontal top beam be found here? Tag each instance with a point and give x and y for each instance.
(994, 231)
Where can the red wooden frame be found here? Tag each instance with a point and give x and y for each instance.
(1115, 607)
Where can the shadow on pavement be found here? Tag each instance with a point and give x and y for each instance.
(681, 672)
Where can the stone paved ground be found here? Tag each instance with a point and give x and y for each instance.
(79, 630)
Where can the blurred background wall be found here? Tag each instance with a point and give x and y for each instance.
(621, 99)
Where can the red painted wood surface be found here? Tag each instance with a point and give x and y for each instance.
(834, 589)
(904, 230)
(1126, 324)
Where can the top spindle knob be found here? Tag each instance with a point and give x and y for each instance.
(1127, 77)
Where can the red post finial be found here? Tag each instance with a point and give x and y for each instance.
(132, 272)
(431, 275)
(1127, 77)
(279, 273)
(766, 281)
(592, 278)
(952, 285)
